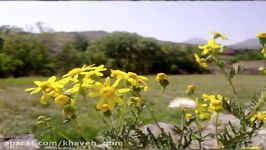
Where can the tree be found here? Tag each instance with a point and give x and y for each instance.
(80, 42)
(7, 65)
(32, 54)
(68, 57)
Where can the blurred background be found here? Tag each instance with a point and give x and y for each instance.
(45, 38)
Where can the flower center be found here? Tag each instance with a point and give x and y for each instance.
(62, 100)
(108, 92)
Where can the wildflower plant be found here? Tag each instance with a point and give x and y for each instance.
(118, 97)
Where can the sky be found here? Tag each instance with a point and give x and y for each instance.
(169, 21)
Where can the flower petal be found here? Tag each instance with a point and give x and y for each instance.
(116, 83)
(94, 94)
(124, 90)
(107, 81)
(52, 79)
(35, 91)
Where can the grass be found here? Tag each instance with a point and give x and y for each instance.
(18, 110)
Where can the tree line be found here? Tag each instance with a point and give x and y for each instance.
(26, 54)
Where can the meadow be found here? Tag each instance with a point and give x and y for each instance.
(18, 110)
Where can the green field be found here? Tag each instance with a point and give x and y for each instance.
(18, 110)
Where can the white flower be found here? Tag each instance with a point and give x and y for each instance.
(183, 103)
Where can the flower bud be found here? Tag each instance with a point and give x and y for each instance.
(262, 38)
(69, 112)
(190, 90)
(62, 100)
(188, 116)
(161, 76)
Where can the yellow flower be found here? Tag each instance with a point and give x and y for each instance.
(134, 79)
(211, 47)
(131, 77)
(261, 35)
(73, 90)
(201, 61)
(216, 102)
(201, 111)
(74, 73)
(109, 94)
(49, 88)
(97, 71)
(260, 116)
(205, 49)
(215, 108)
(62, 100)
(87, 83)
(41, 85)
(161, 76)
(118, 74)
(217, 35)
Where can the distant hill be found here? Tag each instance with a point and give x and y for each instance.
(91, 35)
(251, 43)
(63, 37)
(195, 41)
(57, 39)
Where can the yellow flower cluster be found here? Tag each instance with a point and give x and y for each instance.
(209, 49)
(85, 81)
(262, 38)
(259, 116)
(216, 102)
(201, 110)
(201, 61)
(210, 104)
(50, 89)
(261, 35)
(131, 79)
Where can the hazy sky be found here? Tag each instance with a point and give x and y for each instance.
(174, 21)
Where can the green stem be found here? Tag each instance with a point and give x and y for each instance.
(58, 132)
(182, 124)
(77, 127)
(159, 98)
(155, 120)
(111, 122)
(229, 79)
(231, 83)
(121, 118)
(63, 135)
(200, 129)
(216, 130)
